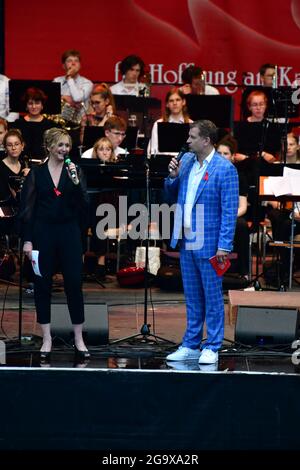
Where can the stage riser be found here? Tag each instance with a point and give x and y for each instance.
(101, 409)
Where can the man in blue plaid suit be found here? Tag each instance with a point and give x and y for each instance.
(205, 187)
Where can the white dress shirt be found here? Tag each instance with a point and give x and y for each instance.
(122, 88)
(79, 88)
(211, 90)
(4, 100)
(195, 176)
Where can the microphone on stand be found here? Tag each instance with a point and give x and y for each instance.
(72, 171)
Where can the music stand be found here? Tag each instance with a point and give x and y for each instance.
(252, 135)
(253, 138)
(93, 133)
(172, 136)
(215, 108)
(147, 110)
(17, 89)
(159, 164)
(279, 171)
(145, 331)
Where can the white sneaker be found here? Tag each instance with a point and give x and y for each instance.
(208, 356)
(183, 365)
(184, 354)
(208, 367)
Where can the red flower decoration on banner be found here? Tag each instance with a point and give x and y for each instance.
(57, 192)
(206, 176)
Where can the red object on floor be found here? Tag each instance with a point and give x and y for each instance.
(131, 276)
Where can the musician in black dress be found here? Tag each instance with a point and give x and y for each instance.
(52, 201)
(11, 166)
(12, 171)
(34, 123)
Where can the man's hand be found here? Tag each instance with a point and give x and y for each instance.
(72, 71)
(68, 99)
(222, 256)
(174, 167)
(27, 250)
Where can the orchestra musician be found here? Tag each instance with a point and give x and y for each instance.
(75, 89)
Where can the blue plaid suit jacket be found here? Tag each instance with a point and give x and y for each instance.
(218, 191)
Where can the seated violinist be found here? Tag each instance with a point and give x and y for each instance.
(103, 107)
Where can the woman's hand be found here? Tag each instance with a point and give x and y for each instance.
(109, 110)
(25, 171)
(72, 173)
(27, 250)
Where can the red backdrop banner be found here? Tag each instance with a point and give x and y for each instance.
(226, 37)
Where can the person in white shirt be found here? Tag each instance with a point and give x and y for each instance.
(75, 89)
(193, 78)
(4, 100)
(132, 68)
(115, 130)
(175, 111)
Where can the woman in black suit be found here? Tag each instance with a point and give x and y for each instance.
(52, 201)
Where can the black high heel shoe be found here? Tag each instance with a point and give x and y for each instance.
(45, 356)
(82, 355)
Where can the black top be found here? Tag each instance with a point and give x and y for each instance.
(7, 181)
(243, 185)
(42, 201)
(2, 152)
(33, 133)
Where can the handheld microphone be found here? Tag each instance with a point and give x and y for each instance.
(73, 172)
(183, 150)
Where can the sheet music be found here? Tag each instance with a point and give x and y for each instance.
(282, 185)
(35, 262)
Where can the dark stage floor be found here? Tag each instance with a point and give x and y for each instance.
(151, 357)
(124, 309)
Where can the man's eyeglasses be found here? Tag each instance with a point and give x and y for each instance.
(122, 134)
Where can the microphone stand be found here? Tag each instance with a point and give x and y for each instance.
(20, 291)
(145, 331)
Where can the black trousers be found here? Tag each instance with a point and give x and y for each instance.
(58, 245)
